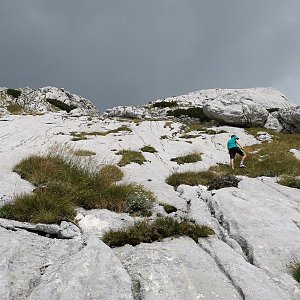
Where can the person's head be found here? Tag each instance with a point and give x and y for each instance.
(233, 135)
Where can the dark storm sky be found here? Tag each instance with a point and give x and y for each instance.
(123, 52)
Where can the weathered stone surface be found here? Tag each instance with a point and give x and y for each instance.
(127, 112)
(239, 112)
(99, 221)
(35, 101)
(92, 273)
(175, 269)
(65, 230)
(253, 283)
(24, 259)
(261, 218)
(273, 122)
(290, 118)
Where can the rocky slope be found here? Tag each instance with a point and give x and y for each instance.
(238, 107)
(28, 100)
(257, 224)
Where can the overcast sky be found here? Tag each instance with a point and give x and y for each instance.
(124, 52)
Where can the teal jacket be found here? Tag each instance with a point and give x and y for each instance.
(232, 142)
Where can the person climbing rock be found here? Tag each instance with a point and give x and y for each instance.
(234, 147)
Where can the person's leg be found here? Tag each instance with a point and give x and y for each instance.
(232, 163)
(243, 158)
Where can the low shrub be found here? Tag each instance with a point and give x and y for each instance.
(64, 183)
(164, 137)
(273, 109)
(14, 108)
(14, 93)
(164, 104)
(168, 208)
(190, 178)
(149, 149)
(146, 232)
(290, 181)
(130, 156)
(140, 203)
(61, 105)
(188, 158)
(222, 181)
(192, 112)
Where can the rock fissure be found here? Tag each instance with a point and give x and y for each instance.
(222, 269)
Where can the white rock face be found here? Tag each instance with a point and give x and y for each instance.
(257, 224)
(33, 101)
(239, 112)
(290, 118)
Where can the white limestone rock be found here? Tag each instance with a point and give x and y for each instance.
(242, 112)
(175, 269)
(34, 101)
(290, 118)
(128, 112)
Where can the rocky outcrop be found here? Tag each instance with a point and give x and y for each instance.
(35, 101)
(241, 112)
(135, 112)
(290, 118)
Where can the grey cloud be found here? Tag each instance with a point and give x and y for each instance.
(128, 52)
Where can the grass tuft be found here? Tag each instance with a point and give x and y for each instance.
(190, 178)
(188, 158)
(130, 156)
(164, 104)
(296, 271)
(290, 181)
(14, 108)
(62, 183)
(82, 152)
(149, 149)
(61, 105)
(146, 232)
(168, 208)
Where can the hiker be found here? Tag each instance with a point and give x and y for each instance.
(234, 147)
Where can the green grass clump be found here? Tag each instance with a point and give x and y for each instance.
(168, 208)
(269, 158)
(77, 136)
(164, 104)
(188, 158)
(14, 93)
(61, 105)
(193, 112)
(148, 149)
(146, 232)
(296, 271)
(62, 184)
(190, 178)
(130, 156)
(164, 137)
(14, 108)
(189, 136)
(290, 181)
(81, 152)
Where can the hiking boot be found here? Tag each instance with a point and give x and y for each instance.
(243, 166)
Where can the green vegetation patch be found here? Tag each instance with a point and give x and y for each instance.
(14, 93)
(15, 109)
(296, 271)
(81, 152)
(77, 136)
(269, 158)
(290, 181)
(62, 183)
(193, 112)
(164, 104)
(130, 156)
(188, 158)
(168, 207)
(190, 178)
(61, 105)
(149, 149)
(146, 232)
